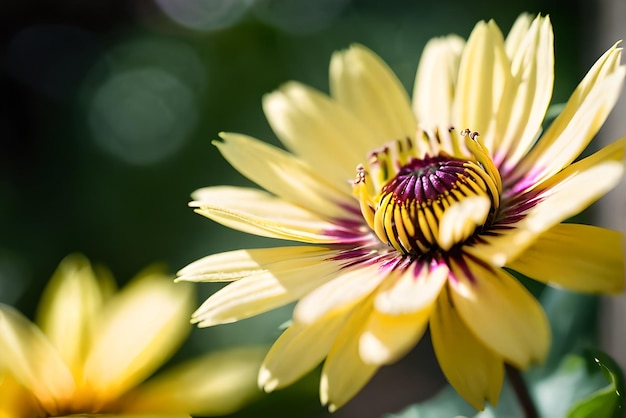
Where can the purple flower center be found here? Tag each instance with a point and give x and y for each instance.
(426, 204)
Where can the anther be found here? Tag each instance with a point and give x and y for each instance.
(360, 174)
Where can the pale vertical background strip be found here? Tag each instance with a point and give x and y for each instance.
(610, 27)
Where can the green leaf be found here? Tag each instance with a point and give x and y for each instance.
(572, 318)
(555, 393)
(448, 403)
(605, 402)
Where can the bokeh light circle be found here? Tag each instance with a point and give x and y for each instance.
(204, 14)
(142, 115)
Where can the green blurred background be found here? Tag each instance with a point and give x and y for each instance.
(107, 110)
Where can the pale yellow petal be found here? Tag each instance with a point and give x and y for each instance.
(331, 140)
(501, 313)
(473, 370)
(138, 329)
(17, 401)
(414, 289)
(344, 373)
(566, 194)
(388, 338)
(366, 86)
(281, 283)
(484, 83)
(131, 415)
(582, 117)
(34, 362)
(257, 212)
(348, 288)
(518, 32)
(298, 350)
(578, 257)
(532, 67)
(66, 312)
(460, 220)
(237, 264)
(217, 383)
(435, 81)
(286, 176)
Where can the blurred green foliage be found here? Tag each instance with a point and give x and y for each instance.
(108, 109)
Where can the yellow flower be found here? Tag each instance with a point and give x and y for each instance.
(448, 191)
(93, 348)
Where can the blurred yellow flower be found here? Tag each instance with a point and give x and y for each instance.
(92, 348)
(449, 189)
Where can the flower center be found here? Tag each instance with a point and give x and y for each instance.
(419, 203)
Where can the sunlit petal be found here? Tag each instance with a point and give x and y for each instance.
(344, 372)
(139, 329)
(435, 81)
(234, 265)
(33, 361)
(367, 87)
(284, 175)
(260, 213)
(460, 220)
(582, 117)
(566, 194)
(320, 131)
(484, 80)
(281, 283)
(298, 350)
(532, 67)
(583, 258)
(67, 310)
(501, 313)
(471, 368)
(124, 415)
(414, 290)
(387, 338)
(518, 32)
(347, 289)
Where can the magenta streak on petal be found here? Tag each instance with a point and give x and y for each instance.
(461, 260)
(352, 224)
(349, 231)
(522, 184)
(347, 236)
(367, 255)
(417, 268)
(452, 277)
(498, 228)
(488, 233)
(352, 253)
(501, 164)
(510, 220)
(520, 204)
(352, 208)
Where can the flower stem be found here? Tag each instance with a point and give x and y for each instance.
(521, 391)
